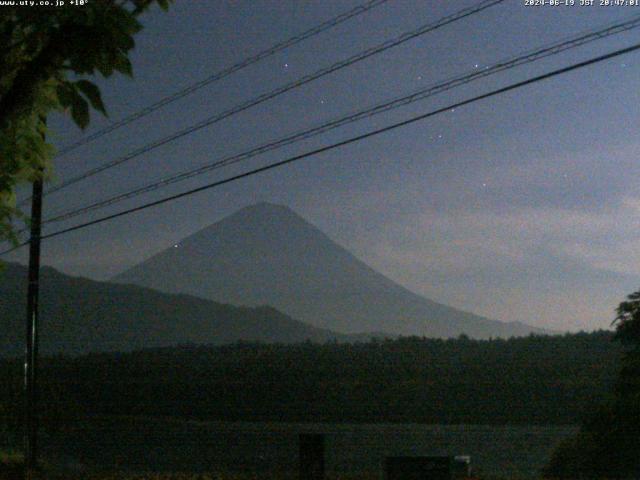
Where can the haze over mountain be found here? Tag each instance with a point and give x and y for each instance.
(78, 315)
(266, 254)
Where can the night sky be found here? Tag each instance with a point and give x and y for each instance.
(521, 207)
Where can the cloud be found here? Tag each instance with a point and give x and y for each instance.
(556, 267)
(460, 241)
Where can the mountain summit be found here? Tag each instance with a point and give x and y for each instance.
(266, 254)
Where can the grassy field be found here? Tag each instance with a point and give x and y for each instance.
(161, 446)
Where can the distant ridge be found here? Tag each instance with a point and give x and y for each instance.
(80, 316)
(268, 254)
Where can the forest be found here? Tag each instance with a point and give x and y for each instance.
(528, 380)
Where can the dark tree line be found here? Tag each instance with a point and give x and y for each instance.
(531, 380)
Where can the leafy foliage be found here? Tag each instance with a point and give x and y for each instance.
(628, 320)
(44, 51)
(608, 442)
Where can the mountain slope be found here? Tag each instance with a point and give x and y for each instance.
(80, 315)
(268, 255)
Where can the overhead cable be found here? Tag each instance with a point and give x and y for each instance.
(421, 94)
(268, 52)
(342, 143)
(405, 37)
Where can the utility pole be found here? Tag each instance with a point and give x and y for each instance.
(31, 351)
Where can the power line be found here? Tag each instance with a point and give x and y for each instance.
(335, 21)
(405, 37)
(528, 57)
(348, 141)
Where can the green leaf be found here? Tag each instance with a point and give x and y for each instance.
(164, 4)
(123, 65)
(65, 94)
(80, 112)
(102, 63)
(92, 92)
